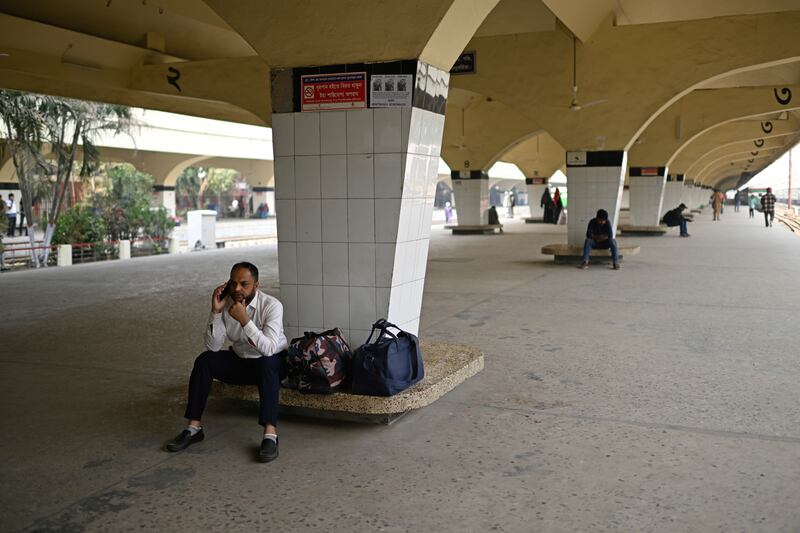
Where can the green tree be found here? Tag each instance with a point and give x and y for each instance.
(71, 128)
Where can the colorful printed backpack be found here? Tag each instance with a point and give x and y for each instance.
(318, 363)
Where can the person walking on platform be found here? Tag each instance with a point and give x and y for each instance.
(546, 202)
(716, 202)
(557, 206)
(253, 322)
(600, 236)
(768, 207)
(752, 202)
(737, 201)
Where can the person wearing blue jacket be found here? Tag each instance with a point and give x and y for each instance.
(600, 235)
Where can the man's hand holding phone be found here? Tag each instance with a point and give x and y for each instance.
(218, 298)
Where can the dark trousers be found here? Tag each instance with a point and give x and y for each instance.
(751, 212)
(769, 216)
(265, 372)
(12, 225)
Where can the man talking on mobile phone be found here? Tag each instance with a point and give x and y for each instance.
(253, 322)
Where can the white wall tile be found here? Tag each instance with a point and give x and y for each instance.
(397, 304)
(333, 127)
(362, 307)
(384, 264)
(307, 176)
(388, 177)
(405, 119)
(306, 133)
(285, 215)
(361, 220)
(360, 132)
(284, 178)
(387, 218)
(415, 145)
(334, 220)
(437, 135)
(291, 332)
(421, 259)
(357, 337)
(427, 219)
(336, 307)
(387, 124)
(404, 221)
(335, 263)
(283, 134)
(289, 301)
(360, 176)
(362, 264)
(382, 296)
(333, 176)
(309, 222)
(309, 305)
(287, 262)
(309, 263)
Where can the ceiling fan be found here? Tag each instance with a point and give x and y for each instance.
(574, 105)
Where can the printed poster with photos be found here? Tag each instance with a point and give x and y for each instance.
(391, 90)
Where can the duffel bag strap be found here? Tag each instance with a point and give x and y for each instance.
(382, 325)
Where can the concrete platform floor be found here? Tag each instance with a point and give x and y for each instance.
(661, 397)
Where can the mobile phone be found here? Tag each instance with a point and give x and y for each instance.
(226, 291)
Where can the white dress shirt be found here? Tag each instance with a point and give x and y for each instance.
(262, 336)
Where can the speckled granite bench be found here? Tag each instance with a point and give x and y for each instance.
(655, 231)
(566, 254)
(474, 229)
(446, 366)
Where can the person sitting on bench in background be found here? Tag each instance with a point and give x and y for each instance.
(253, 322)
(675, 217)
(600, 236)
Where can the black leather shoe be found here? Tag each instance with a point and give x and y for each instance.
(268, 451)
(184, 439)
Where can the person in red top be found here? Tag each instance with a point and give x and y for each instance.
(556, 206)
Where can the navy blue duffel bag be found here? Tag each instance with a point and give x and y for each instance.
(389, 365)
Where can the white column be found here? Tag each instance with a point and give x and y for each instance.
(687, 195)
(471, 196)
(594, 181)
(535, 187)
(646, 194)
(124, 249)
(164, 196)
(672, 196)
(64, 255)
(354, 201)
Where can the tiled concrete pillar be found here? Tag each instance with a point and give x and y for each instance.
(594, 181)
(471, 193)
(535, 187)
(687, 194)
(626, 198)
(673, 189)
(354, 195)
(646, 194)
(164, 196)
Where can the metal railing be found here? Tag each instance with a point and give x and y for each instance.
(17, 255)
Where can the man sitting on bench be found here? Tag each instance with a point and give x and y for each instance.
(600, 235)
(253, 322)
(674, 217)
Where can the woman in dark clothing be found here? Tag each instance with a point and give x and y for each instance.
(547, 203)
(675, 217)
(557, 206)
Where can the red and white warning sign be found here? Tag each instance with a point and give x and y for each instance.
(319, 92)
